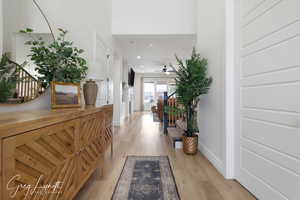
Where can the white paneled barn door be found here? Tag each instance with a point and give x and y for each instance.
(269, 57)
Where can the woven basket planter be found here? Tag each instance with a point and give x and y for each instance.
(190, 145)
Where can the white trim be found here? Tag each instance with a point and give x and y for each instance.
(212, 158)
(1, 28)
(237, 97)
(229, 88)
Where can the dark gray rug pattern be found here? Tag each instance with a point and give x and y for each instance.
(146, 178)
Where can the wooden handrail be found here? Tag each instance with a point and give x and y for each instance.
(19, 67)
(173, 94)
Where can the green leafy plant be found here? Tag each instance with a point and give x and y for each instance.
(58, 61)
(191, 83)
(8, 78)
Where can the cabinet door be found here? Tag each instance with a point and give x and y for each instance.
(91, 145)
(91, 128)
(90, 158)
(107, 136)
(41, 164)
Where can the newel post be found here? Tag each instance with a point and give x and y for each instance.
(166, 117)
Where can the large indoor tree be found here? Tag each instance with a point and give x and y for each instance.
(191, 82)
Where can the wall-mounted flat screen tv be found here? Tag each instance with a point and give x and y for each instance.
(131, 76)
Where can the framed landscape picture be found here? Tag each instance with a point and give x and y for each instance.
(65, 95)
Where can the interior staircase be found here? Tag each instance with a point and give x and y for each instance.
(174, 124)
(27, 88)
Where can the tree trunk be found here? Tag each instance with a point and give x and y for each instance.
(189, 120)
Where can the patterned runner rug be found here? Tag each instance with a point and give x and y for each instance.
(146, 178)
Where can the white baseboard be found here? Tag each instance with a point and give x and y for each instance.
(215, 161)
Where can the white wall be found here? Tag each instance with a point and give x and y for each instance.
(137, 92)
(117, 79)
(211, 43)
(101, 71)
(81, 18)
(30, 16)
(125, 92)
(22, 14)
(121, 95)
(153, 17)
(10, 17)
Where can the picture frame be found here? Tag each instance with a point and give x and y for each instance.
(65, 95)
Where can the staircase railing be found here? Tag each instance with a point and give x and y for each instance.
(27, 86)
(170, 114)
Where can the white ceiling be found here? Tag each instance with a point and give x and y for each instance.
(154, 51)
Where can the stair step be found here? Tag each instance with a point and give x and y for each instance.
(14, 100)
(175, 135)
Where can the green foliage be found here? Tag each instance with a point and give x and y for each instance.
(191, 83)
(58, 61)
(5, 68)
(192, 80)
(7, 87)
(8, 78)
(174, 110)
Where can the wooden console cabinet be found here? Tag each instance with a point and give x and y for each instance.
(51, 154)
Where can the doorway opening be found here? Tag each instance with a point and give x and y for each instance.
(154, 91)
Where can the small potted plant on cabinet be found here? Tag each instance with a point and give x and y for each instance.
(191, 83)
(57, 61)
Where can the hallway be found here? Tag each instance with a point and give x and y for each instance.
(196, 178)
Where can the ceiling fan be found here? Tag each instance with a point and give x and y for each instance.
(167, 71)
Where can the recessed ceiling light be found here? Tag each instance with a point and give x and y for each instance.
(139, 57)
(150, 45)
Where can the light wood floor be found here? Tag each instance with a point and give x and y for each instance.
(196, 178)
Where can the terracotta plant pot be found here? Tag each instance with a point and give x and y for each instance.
(90, 91)
(190, 144)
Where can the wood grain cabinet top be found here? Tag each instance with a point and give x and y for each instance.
(18, 122)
